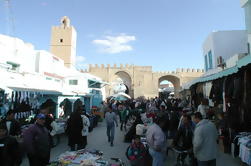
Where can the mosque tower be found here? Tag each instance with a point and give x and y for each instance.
(63, 42)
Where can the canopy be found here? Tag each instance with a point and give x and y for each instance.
(120, 97)
(241, 63)
(41, 91)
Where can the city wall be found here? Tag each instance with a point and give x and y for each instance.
(144, 82)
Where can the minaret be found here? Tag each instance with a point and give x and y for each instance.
(63, 42)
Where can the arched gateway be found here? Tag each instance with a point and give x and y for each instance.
(141, 80)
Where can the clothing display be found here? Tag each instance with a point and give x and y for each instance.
(245, 149)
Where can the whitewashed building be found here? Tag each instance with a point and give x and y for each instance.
(220, 46)
(22, 68)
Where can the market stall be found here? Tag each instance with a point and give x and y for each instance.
(229, 94)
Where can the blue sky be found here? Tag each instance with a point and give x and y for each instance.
(166, 34)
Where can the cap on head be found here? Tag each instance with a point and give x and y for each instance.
(41, 116)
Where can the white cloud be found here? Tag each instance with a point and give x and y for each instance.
(115, 44)
(80, 62)
(80, 59)
(44, 4)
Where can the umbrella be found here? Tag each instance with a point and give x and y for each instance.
(124, 94)
(120, 97)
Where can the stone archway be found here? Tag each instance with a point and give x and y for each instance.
(125, 79)
(174, 80)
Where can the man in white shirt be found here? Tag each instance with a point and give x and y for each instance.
(203, 108)
(205, 141)
(157, 141)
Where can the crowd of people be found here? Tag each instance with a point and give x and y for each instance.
(170, 119)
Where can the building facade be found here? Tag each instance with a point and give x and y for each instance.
(220, 46)
(246, 4)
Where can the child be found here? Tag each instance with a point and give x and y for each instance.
(136, 152)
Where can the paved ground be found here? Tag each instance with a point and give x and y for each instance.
(97, 139)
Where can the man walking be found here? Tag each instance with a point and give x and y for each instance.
(123, 115)
(156, 140)
(205, 141)
(111, 119)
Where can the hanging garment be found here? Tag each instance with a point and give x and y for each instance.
(233, 115)
(224, 94)
(229, 87)
(20, 97)
(13, 96)
(17, 97)
(238, 88)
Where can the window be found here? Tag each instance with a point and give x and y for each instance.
(73, 82)
(57, 80)
(48, 78)
(61, 40)
(210, 59)
(206, 63)
(94, 84)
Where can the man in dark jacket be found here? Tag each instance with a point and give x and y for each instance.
(13, 126)
(46, 110)
(174, 123)
(74, 127)
(184, 137)
(9, 149)
(37, 142)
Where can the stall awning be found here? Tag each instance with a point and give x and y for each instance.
(241, 63)
(41, 91)
(98, 81)
(92, 83)
(244, 61)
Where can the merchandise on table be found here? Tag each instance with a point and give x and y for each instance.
(245, 149)
(83, 157)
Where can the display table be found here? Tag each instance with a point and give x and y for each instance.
(83, 157)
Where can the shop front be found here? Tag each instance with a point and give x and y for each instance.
(229, 92)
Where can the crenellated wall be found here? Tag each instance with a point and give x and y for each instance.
(121, 66)
(143, 81)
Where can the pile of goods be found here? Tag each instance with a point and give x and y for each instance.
(83, 157)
